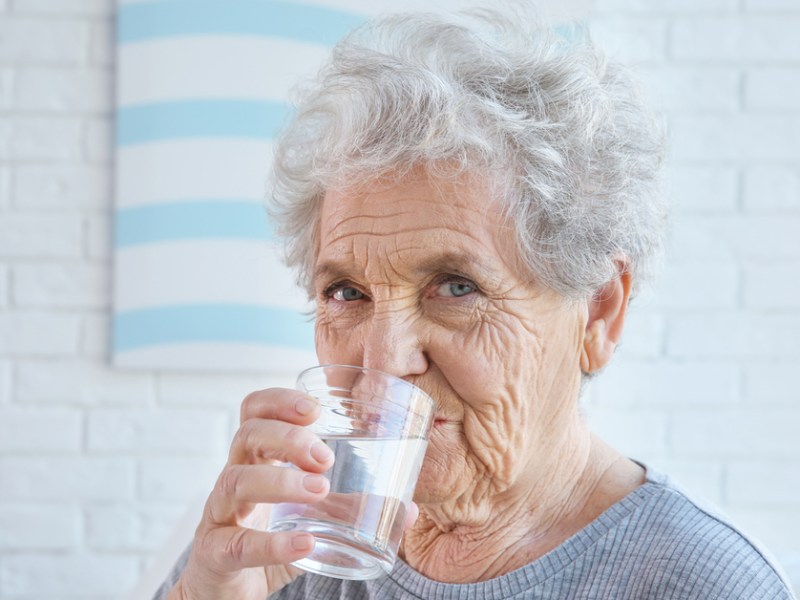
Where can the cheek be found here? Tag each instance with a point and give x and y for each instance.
(335, 345)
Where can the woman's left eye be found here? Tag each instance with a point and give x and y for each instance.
(346, 293)
(455, 289)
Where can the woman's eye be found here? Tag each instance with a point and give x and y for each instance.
(455, 289)
(346, 294)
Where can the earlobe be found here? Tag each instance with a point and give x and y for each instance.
(596, 351)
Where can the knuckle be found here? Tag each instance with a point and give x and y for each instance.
(229, 481)
(297, 437)
(236, 546)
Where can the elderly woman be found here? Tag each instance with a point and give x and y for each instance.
(472, 203)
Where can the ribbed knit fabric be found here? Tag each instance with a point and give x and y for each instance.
(655, 543)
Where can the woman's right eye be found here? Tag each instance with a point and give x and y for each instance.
(346, 293)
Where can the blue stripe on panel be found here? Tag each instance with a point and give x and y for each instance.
(212, 323)
(199, 118)
(169, 221)
(293, 20)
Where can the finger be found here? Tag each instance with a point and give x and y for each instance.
(231, 549)
(260, 439)
(282, 404)
(261, 484)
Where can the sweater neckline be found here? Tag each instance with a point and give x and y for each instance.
(534, 573)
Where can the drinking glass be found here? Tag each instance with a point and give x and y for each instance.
(377, 426)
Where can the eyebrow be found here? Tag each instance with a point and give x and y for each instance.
(457, 263)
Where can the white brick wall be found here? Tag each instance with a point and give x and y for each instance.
(97, 465)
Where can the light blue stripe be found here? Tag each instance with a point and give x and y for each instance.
(198, 219)
(212, 323)
(297, 21)
(142, 123)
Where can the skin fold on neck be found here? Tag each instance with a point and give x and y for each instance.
(524, 523)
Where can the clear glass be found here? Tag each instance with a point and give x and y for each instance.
(377, 426)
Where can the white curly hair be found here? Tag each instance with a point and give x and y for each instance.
(560, 131)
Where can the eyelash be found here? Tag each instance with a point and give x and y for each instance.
(334, 287)
(437, 282)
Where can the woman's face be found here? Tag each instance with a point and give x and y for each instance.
(421, 279)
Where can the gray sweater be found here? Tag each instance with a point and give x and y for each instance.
(656, 543)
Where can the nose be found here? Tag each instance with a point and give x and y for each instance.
(393, 345)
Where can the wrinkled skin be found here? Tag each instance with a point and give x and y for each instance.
(421, 278)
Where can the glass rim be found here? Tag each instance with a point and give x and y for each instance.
(418, 391)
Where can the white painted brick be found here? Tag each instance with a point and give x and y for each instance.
(25, 430)
(170, 478)
(733, 335)
(60, 576)
(99, 243)
(762, 83)
(705, 38)
(693, 236)
(658, 6)
(631, 40)
(64, 7)
(130, 528)
(26, 40)
(768, 188)
(67, 479)
(5, 382)
(4, 285)
(769, 5)
(39, 527)
(60, 89)
(697, 285)
(692, 89)
(757, 237)
(226, 391)
(700, 479)
(6, 87)
(772, 286)
(99, 139)
(637, 383)
(790, 561)
(38, 334)
(65, 285)
(40, 236)
(643, 336)
(81, 382)
(35, 138)
(95, 336)
(756, 38)
(702, 189)
(175, 431)
(768, 484)
(735, 137)
(772, 383)
(77, 187)
(101, 43)
(736, 433)
(639, 434)
(5, 187)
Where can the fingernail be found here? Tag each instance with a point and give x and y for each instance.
(302, 542)
(314, 483)
(321, 453)
(305, 406)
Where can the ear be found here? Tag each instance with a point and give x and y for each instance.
(607, 309)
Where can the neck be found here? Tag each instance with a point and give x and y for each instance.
(490, 534)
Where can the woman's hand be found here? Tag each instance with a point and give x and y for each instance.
(233, 557)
